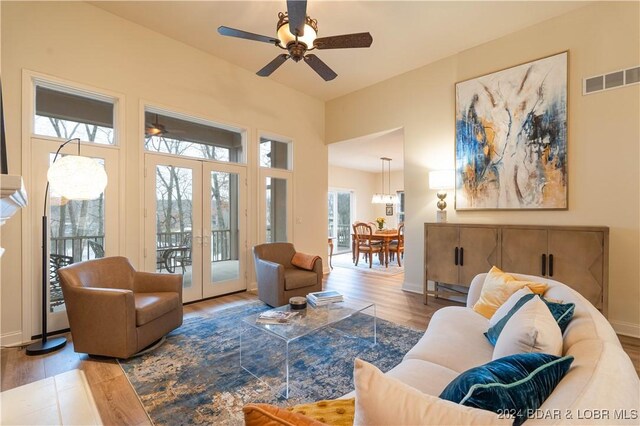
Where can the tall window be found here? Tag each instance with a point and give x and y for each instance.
(400, 206)
(275, 154)
(275, 162)
(192, 138)
(67, 114)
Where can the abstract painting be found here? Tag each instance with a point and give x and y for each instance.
(511, 138)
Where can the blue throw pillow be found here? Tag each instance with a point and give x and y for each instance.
(562, 313)
(515, 385)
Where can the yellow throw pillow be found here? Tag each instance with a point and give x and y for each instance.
(498, 287)
(270, 415)
(335, 412)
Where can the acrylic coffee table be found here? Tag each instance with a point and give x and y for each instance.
(266, 349)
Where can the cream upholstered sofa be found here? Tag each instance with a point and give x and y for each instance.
(601, 382)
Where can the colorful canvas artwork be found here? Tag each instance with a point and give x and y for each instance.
(511, 138)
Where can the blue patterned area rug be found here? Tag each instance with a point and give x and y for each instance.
(195, 376)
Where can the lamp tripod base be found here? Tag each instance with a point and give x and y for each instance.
(441, 216)
(44, 347)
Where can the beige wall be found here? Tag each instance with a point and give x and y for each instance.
(604, 134)
(83, 44)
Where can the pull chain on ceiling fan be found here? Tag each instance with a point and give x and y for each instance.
(297, 34)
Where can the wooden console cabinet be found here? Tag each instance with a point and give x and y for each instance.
(575, 255)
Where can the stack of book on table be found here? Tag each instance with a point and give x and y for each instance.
(320, 298)
(275, 317)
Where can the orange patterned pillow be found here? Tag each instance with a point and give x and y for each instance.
(270, 415)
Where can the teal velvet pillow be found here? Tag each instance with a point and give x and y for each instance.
(562, 313)
(515, 385)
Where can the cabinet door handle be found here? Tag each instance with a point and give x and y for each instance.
(550, 265)
(544, 265)
(461, 256)
(455, 256)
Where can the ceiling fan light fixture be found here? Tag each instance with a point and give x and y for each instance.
(286, 37)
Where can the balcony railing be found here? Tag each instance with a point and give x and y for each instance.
(67, 250)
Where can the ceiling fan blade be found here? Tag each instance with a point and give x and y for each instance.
(344, 41)
(297, 10)
(273, 65)
(232, 32)
(320, 67)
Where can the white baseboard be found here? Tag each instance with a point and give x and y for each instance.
(413, 287)
(626, 328)
(13, 338)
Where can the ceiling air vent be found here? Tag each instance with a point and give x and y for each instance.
(611, 80)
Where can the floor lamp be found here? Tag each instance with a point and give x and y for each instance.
(75, 178)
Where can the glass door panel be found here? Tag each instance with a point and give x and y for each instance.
(76, 233)
(276, 210)
(173, 229)
(78, 230)
(344, 220)
(224, 241)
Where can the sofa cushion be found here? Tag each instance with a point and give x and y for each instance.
(516, 385)
(531, 329)
(451, 332)
(602, 380)
(425, 376)
(299, 278)
(383, 400)
(150, 306)
(498, 287)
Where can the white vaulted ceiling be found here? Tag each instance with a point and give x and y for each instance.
(406, 35)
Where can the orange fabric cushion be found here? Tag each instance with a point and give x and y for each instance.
(270, 415)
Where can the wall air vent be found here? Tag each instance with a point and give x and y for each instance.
(611, 80)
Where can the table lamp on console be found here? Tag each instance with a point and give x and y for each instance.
(441, 180)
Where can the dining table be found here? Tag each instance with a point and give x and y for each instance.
(385, 236)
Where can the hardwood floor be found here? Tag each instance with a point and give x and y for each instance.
(119, 405)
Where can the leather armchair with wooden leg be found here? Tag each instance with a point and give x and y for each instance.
(116, 311)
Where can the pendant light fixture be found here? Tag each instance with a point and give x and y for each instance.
(383, 197)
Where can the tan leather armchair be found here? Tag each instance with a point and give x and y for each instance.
(278, 279)
(116, 311)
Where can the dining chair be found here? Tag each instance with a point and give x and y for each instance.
(364, 244)
(396, 247)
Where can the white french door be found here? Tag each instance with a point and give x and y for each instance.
(78, 230)
(195, 223)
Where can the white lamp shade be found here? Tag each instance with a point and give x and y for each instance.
(285, 36)
(441, 179)
(77, 178)
(384, 199)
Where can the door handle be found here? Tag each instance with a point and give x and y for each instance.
(550, 265)
(205, 240)
(198, 239)
(544, 264)
(461, 256)
(455, 257)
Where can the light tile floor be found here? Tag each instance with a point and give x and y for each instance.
(64, 399)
